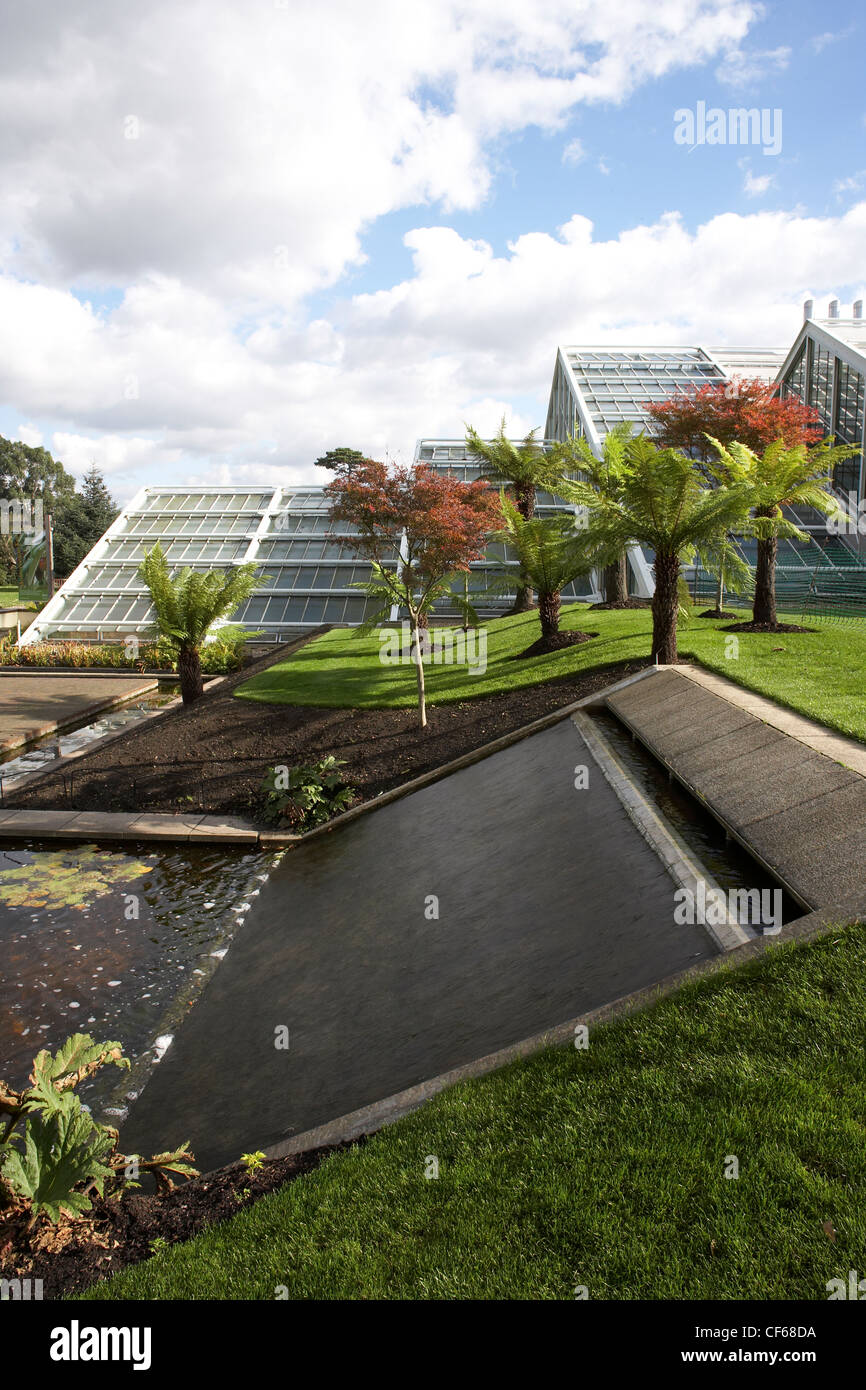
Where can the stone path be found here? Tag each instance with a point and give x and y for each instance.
(838, 746)
(34, 705)
(795, 808)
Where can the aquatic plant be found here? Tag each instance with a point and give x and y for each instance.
(62, 879)
(54, 1156)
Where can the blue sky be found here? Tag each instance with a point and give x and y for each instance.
(232, 236)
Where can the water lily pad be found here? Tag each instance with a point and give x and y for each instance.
(68, 878)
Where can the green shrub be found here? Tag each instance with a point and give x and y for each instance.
(227, 652)
(304, 797)
(53, 1154)
(80, 656)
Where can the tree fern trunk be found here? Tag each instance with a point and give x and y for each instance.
(189, 672)
(524, 498)
(616, 581)
(548, 612)
(665, 607)
(419, 666)
(764, 609)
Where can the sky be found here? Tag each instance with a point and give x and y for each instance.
(236, 233)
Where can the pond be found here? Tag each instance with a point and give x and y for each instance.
(113, 941)
(43, 752)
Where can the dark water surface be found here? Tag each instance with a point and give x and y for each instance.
(113, 941)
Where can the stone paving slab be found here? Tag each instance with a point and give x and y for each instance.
(849, 751)
(792, 805)
(33, 706)
(109, 825)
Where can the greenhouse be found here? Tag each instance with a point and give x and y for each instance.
(308, 569)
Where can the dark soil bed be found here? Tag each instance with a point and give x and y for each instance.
(556, 643)
(117, 1233)
(767, 627)
(625, 603)
(718, 613)
(211, 757)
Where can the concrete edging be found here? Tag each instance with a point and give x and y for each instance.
(670, 848)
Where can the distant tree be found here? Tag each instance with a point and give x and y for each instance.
(666, 503)
(746, 412)
(575, 455)
(780, 477)
(81, 520)
(417, 527)
(525, 467)
(341, 458)
(28, 473)
(188, 604)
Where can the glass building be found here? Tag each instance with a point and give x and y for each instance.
(826, 368)
(308, 568)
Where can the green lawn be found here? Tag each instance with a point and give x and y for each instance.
(603, 1168)
(820, 674)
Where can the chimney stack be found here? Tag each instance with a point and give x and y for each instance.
(834, 309)
(808, 306)
(858, 309)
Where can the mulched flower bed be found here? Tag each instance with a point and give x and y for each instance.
(625, 603)
(211, 757)
(120, 1232)
(556, 643)
(767, 627)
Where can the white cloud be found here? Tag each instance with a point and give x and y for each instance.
(754, 185)
(821, 41)
(739, 68)
(30, 435)
(574, 152)
(243, 149)
(853, 184)
(268, 141)
(468, 335)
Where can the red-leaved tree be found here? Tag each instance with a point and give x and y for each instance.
(417, 527)
(743, 411)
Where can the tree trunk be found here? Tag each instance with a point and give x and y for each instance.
(419, 666)
(720, 589)
(548, 612)
(524, 500)
(523, 601)
(189, 672)
(764, 608)
(666, 602)
(616, 581)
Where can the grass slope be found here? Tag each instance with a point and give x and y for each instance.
(819, 674)
(603, 1168)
